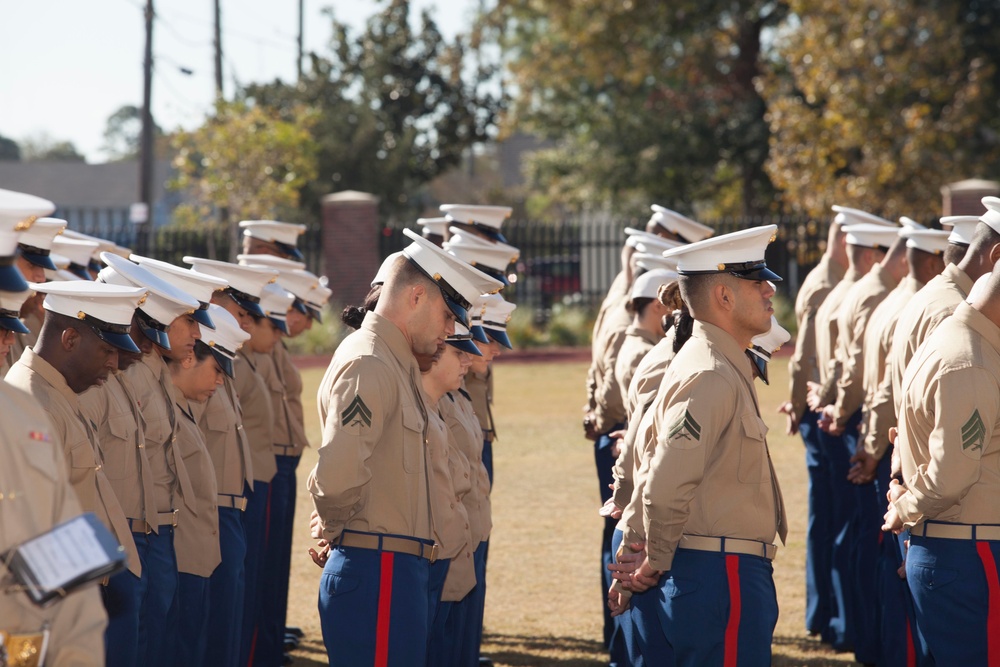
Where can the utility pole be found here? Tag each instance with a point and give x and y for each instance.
(217, 43)
(146, 148)
(298, 63)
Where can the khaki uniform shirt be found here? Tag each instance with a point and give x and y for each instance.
(23, 341)
(638, 342)
(936, 301)
(609, 408)
(372, 469)
(450, 482)
(827, 332)
(153, 387)
(254, 373)
(478, 387)
(880, 413)
(78, 437)
(711, 473)
(949, 439)
(35, 497)
(221, 422)
(852, 322)
(286, 400)
(456, 409)
(613, 304)
(196, 538)
(112, 408)
(641, 391)
(802, 367)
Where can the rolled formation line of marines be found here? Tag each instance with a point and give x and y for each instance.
(895, 390)
(164, 400)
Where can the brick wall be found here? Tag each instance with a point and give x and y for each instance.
(350, 244)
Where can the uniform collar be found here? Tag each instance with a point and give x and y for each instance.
(648, 336)
(50, 374)
(883, 278)
(831, 269)
(391, 335)
(733, 351)
(979, 323)
(957, 277)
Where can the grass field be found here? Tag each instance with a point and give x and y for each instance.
(542, 604)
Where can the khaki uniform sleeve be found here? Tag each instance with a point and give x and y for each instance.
(610, 406)
(850, 389)
(802, 365)
(966, 408)
(881, 417)
(689, 425)
(353, 428)
(624, 465)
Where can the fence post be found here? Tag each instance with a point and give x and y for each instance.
(350, 244)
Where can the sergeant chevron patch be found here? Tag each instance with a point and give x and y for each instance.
(357, 413)
(685, 427)
(973, 433)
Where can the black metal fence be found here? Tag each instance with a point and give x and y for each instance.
(569, 262)
(574, 262)
(171, 244)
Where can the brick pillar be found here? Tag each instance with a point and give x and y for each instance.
(350, 244)
(965, 197)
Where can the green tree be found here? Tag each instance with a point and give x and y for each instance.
(878, 103)
(9, 150)
(43, 148)
(123, 133)
(243, 163)
(648, 101)
(394, 106)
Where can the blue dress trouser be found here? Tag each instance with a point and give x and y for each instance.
(844, 525)
(471, 610)
(189, 619)
(159, 568)
(650, 641)
(122, 598)
(604, 462)
(439, 643)
(624, 626)
(719, 609)
(864, 548)
(225, 623)
(956, 598)
(373, 608)
(255, 529)
(819, 533)
(273, 609)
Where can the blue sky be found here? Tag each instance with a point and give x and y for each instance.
(66, 65)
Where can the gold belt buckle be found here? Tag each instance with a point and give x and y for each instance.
(23, 649)
(435, 549)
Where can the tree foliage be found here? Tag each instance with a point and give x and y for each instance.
(123, 133)
(394, 107)
(649, 101)
(877, 104)
(9, 150)
(244, 163)
(44, 148)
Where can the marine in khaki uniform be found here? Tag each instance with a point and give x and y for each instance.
(862, 257)
(370, 485)
(803, 368)
(711, 504)
(646, 328)
(34, 251)
(11, 325)
(85, 327)
(169, 320)
(856, 510)
(221, 421)
(949, 497)
(35, 497)
(939, 298)
(451, 480)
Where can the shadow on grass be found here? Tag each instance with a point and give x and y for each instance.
(310, 653)
(807, 652)
(529, 650)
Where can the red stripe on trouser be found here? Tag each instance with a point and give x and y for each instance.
(911, 651)
(733, 625)
(993, 615)
(384, 607)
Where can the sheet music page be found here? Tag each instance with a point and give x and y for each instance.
(64, 554)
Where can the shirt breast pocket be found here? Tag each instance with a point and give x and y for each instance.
(119, 449)
(413, 439)
(218, 420)
(753, 450)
